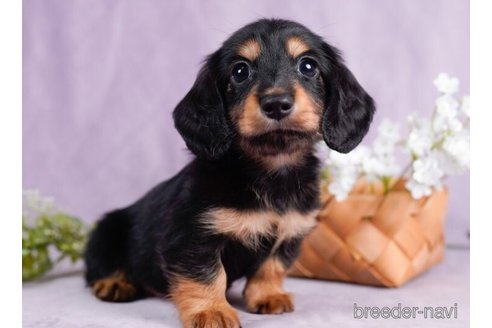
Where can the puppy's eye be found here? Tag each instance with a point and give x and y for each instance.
(240, 72)
(308, 67)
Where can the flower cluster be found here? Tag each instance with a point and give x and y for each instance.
(343, 170)
(438, 147)
(34, 204)
(375, 163)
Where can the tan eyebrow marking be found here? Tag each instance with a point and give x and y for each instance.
(296, 46)
(250, 49)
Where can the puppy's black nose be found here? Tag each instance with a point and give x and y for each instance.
(277, 106)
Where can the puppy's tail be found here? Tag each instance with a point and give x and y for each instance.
(106, 251)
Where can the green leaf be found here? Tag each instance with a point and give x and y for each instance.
(66, 233)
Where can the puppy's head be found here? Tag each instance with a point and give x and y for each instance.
(273, 89)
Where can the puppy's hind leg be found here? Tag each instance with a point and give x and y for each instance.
(115, 288)
(105, 258)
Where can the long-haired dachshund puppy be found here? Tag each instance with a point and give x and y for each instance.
(241, 208)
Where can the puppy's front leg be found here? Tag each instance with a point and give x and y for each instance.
(264, 293)
(203, 304)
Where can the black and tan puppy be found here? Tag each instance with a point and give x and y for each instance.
(243, 205)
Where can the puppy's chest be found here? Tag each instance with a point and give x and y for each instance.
(250, 227)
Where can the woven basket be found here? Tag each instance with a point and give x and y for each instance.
(374, 239)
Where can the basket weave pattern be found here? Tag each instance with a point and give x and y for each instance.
(374, 239)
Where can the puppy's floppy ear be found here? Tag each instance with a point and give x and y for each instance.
(200, 117)
(349, 109)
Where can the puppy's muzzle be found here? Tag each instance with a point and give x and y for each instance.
(277, 107)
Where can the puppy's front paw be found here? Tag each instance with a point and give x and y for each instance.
(271, 304)
(213, 318)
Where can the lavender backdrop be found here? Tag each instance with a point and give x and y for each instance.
(102, 77)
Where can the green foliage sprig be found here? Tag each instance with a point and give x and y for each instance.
(48, 236)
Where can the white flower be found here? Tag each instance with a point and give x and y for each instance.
(419, 143)
(420, 139)
(33, 200)
(426, 171)
(446, 84)
(465, 105)
(447, 163)
(34, 205)
(355, 157)
(372, 169)
(442, 124)
(458, 148)
(447, 106)
(426, 175)
(342, 180)
(446, 115)
(455, 125)
(389, 130)
(359, 155)
(341, 186)
(387, 138)
(378, 167)
(344, 170)
(418, 190)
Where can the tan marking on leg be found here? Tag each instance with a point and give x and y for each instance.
(250, 49)
(204, 305)
(264, 293)
(115, 288)
(296, 46)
